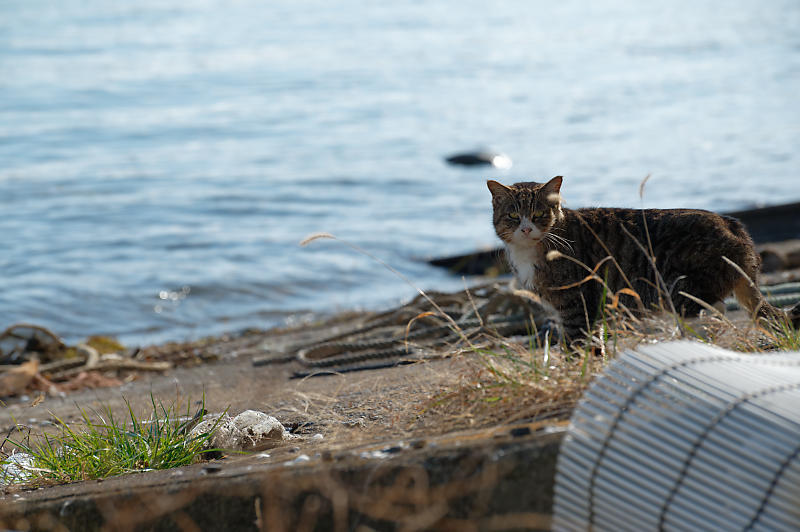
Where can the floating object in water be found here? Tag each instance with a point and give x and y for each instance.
(480, 158)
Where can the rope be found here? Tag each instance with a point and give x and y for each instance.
(485, 309)
(408, 331)
(329, 354)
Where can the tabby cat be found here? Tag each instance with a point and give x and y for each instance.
(552, 249)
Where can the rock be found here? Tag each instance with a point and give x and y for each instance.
(778, 256)
(299, 459)
(257, 431)
(221, 439)
(771, 261)
(249, 431)
(14, 469)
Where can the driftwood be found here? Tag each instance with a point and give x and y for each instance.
(113, 364)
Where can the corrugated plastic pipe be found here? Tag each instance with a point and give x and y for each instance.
(684, 436)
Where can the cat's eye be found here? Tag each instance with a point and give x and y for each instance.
(538, 214)
(513, 215)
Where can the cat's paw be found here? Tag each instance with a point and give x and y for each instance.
(550, 332)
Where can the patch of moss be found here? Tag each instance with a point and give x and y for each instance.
(105, 344)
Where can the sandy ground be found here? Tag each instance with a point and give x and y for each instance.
(353, 407)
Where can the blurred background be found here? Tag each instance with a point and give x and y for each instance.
(161, 160)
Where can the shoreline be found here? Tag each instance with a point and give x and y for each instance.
(467, 409)
(781, 264)
(354, 434)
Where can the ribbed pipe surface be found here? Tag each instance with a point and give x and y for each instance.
(684, 436)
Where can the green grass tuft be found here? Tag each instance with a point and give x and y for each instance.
(784, 337)
(106, 446)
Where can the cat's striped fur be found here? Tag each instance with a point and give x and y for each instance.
(686, 246)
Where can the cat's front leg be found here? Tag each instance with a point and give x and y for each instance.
(550, 332)
(574, 322)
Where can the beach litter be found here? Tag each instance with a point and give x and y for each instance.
(34, 358)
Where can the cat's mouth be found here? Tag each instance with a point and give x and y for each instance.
(528, 239)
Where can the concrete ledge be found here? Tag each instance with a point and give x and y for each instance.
(485, 480)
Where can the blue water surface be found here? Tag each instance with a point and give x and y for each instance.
(161, 160)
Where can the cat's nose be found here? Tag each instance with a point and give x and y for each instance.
(526, 231)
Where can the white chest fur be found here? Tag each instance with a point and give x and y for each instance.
(524, 261)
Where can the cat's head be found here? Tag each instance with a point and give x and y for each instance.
(525, 212)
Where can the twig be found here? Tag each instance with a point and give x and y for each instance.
(120, 364)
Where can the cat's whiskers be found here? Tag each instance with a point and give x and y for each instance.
(559, 241)
(554, 231)
(549, 243)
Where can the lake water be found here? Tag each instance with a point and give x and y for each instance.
(161, 160)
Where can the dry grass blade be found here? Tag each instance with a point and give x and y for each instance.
(606, 249)
(741, 271)
(592, 272)
(413, 320)
(358, 249)
(663, 293)
(472, 301)
(642, 185)
(512, 383)
(706, 306)
(316, 236)
(615, 298)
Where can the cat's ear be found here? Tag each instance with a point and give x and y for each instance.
(498, 190)
(552, 190)
(554, 185)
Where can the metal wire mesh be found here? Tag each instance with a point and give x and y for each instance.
(684, 436)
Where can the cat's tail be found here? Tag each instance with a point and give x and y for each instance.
(751, 298)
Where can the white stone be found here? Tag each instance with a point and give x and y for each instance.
(256, 431)
(249, 431)
(14, 469)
